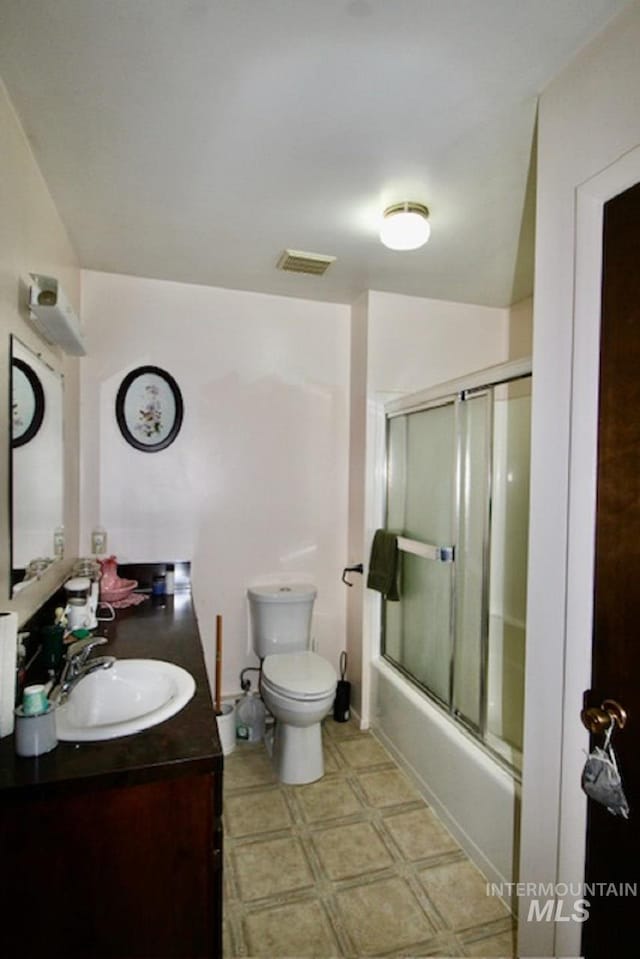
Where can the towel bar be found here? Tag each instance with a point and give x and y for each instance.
(441, 554)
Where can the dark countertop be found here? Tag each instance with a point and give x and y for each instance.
(185, 744)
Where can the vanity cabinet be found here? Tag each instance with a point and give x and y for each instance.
(121, 872)
(114, 849)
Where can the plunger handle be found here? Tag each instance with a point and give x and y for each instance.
(218, 661)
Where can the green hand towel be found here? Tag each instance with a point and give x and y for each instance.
(383, 564)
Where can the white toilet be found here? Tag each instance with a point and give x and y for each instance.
(298, 686)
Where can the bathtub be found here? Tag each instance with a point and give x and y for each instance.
(475, 796)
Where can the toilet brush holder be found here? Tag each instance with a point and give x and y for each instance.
(341, 710)
(226, 720)
(341, 705)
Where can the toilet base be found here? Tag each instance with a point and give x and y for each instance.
(297, 753)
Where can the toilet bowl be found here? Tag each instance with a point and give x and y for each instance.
(298, 689)
(297, 685)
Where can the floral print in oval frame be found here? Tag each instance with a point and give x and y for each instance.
(149, 409)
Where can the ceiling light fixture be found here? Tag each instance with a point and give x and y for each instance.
(405, 226)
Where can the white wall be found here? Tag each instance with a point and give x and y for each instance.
(589, 121)
(415, 343)
(32, 240)
(255, 485)
(521, 329)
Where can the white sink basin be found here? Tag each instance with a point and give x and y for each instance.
(133, 694)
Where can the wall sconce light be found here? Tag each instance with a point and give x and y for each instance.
(53, 316)
(405, 226)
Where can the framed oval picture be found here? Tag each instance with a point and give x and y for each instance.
(149, 409)
(27, 402)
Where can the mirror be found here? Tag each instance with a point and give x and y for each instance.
(37, 465)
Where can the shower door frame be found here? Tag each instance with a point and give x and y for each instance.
(428, 550)
(455, 393)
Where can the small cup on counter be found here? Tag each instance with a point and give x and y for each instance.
(34, 700)
(35, 730)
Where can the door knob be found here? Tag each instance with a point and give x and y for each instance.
(598, 718)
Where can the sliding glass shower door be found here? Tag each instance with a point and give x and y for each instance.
(420, 505)
(457, 498)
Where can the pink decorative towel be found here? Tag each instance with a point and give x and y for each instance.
(133, 599)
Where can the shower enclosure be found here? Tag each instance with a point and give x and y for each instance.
(457, 498)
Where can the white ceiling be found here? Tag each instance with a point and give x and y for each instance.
(194, 140)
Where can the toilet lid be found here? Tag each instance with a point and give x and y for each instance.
(283, 593)
(299, 675)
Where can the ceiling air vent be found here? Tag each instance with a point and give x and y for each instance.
(295, 261)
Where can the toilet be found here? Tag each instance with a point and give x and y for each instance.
(298, 686)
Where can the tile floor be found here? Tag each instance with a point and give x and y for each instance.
(353, 865)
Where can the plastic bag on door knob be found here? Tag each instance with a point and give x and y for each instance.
(602, 782)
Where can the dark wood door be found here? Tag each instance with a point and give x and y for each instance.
(613, 843)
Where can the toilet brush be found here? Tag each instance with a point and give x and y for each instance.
(225, 715)
(218, 661)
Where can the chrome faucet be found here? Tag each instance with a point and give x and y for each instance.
(78, 665)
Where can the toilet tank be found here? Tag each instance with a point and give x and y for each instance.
(280, 617)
